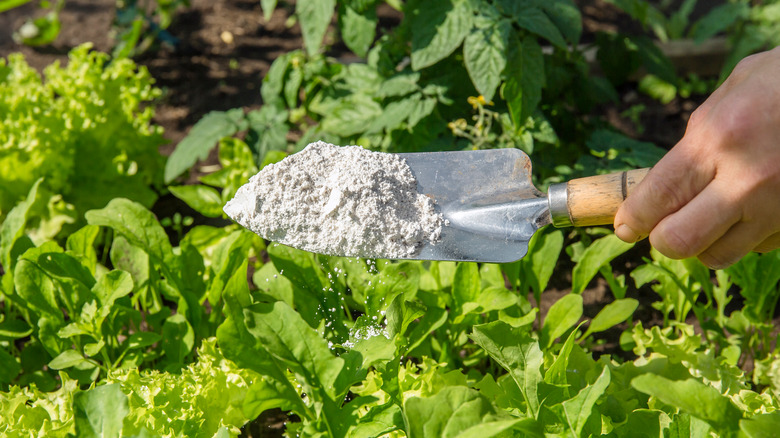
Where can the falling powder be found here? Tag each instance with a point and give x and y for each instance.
(336, 200)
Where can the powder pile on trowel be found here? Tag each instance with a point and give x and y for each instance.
(336, 200)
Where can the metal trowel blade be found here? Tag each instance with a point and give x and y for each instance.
(488, 199)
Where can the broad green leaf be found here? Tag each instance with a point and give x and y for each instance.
(203, 199)
(314, 16)
(267, 134)
(566, 16)
(399, 85)
(11, 329)
(351, 116)
(562, 316)
(11, 368)
(137, 224)
(112, 286)
(228, 256)
(761, 426)
(484, 53)
(142, 340)
(718, 19)
(544, 250)
(692, 396)
(579, 407)
(466, 286)
(652, 423)
(556, 373)
(201, 139)
(536, 21)
(455, 411)
(82, 245)
(517, 352)
(100, 411)
(37, 290)
(599, 253)
(358, 28)
(379, 420)
(286, 336)
(12, 229)
(70, 358)
(178, 338)
(438, 28)
(525, 79)
(611, 315)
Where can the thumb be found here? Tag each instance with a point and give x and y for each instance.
(677, 178)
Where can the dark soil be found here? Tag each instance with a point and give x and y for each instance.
(227, 47)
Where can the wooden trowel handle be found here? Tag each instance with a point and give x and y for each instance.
(593, 200)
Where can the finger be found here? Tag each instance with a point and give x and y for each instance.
(769, 244)
(699, 224)
(735, 244)
(672, 183)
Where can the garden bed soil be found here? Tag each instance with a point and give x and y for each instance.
(226, 49)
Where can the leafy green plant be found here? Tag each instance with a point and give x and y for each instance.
(85, 129)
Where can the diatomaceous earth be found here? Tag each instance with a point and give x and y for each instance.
(338, 200)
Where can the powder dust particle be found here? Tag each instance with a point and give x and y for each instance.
(339, 200)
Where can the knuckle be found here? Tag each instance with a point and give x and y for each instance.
(716, 260)
(672, 244)
(667, 196)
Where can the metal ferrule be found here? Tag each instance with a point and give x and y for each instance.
(558, 199)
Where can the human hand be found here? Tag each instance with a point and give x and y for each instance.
(716, 194)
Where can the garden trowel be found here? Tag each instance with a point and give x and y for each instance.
(493, 208)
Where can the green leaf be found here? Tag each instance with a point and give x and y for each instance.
(203, 199)
(598, 254)
(718, 19)
(285, 335)
(137, 224)
(761, 426)
(70, 358)
(556, 373)
(100, 412)
(11, 368)
(523, 87)
(611, 315)
(465, 287)
(579, 407)
(112, 286)
(12, 229)
(538, 265)
(178, 338)
(517, 352)
(268, 7)
(399, 85)
(202, 138)
(314, 16)
(562, 316)
(6, 5)
(438, 28)
(566, 16)
(11, 329)
(455, 411)
(536, 21)
(484, 53)
(358, 28)
(693, 397)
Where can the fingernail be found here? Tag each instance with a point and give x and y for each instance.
(626, 234)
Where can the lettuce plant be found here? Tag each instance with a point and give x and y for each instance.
(85, 128)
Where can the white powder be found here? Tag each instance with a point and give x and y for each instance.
(335, 200)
